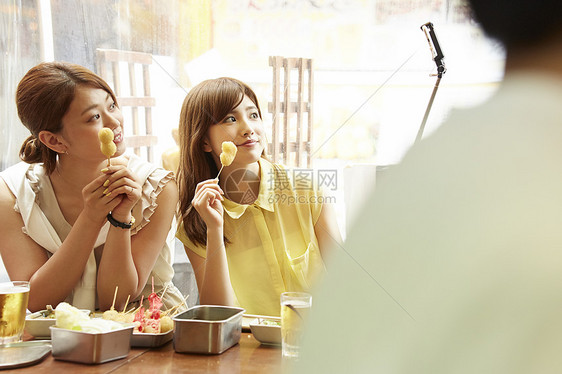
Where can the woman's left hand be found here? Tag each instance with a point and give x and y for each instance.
(122, 184)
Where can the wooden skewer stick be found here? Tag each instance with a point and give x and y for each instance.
(135, 311)
(163, 292)
(174, 308)
(114, 296)
(217, 177)
(127, 303)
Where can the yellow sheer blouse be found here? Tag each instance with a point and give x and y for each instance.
(273, 246)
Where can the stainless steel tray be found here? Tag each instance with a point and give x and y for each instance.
(16, 355)
(140, 339)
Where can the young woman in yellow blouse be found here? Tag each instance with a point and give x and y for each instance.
(249, 235)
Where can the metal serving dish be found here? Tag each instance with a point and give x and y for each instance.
(90, 348)
(208, 329)
(148, 340)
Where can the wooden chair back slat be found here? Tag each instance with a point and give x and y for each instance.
(291, 105)
(137, 66)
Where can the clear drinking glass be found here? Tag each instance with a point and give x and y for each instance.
(294, 310)
(13, 305)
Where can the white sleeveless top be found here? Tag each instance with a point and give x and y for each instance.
(46, 225)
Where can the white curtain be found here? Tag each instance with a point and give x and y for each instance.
(18, 53)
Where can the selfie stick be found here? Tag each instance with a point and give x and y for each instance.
(438, 57)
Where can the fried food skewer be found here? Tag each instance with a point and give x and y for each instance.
(107, 146)
(227, 155)
(111, 313)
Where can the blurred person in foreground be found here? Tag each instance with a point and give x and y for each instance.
(455, 265)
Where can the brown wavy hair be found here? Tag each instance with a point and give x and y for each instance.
(206, 104)
(42, 99)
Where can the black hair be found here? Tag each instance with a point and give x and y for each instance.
(518, 23)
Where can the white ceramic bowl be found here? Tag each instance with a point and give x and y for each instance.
(266, 333)
(38, 326)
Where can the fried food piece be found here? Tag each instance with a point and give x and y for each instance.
(166, 324)
(110, 314)
(108, 149)
(105, 135)
(152, 326)
(228, 153)
(107, 146)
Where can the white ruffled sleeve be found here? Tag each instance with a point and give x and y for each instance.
(155, 179)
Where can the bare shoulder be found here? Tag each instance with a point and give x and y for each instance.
(7, 198)
(9, 217)
(29, 256)
(170, 190)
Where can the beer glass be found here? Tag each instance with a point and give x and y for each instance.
(13, 306)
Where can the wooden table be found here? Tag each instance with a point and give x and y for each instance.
(249, 356)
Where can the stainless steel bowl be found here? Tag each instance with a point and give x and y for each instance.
(208, 329)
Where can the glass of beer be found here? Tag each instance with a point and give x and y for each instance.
(294, 310)
(13, 306)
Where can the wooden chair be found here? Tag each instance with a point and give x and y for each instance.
(128, 73)
(291, 106)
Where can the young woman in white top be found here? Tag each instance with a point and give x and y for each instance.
(70, 224)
